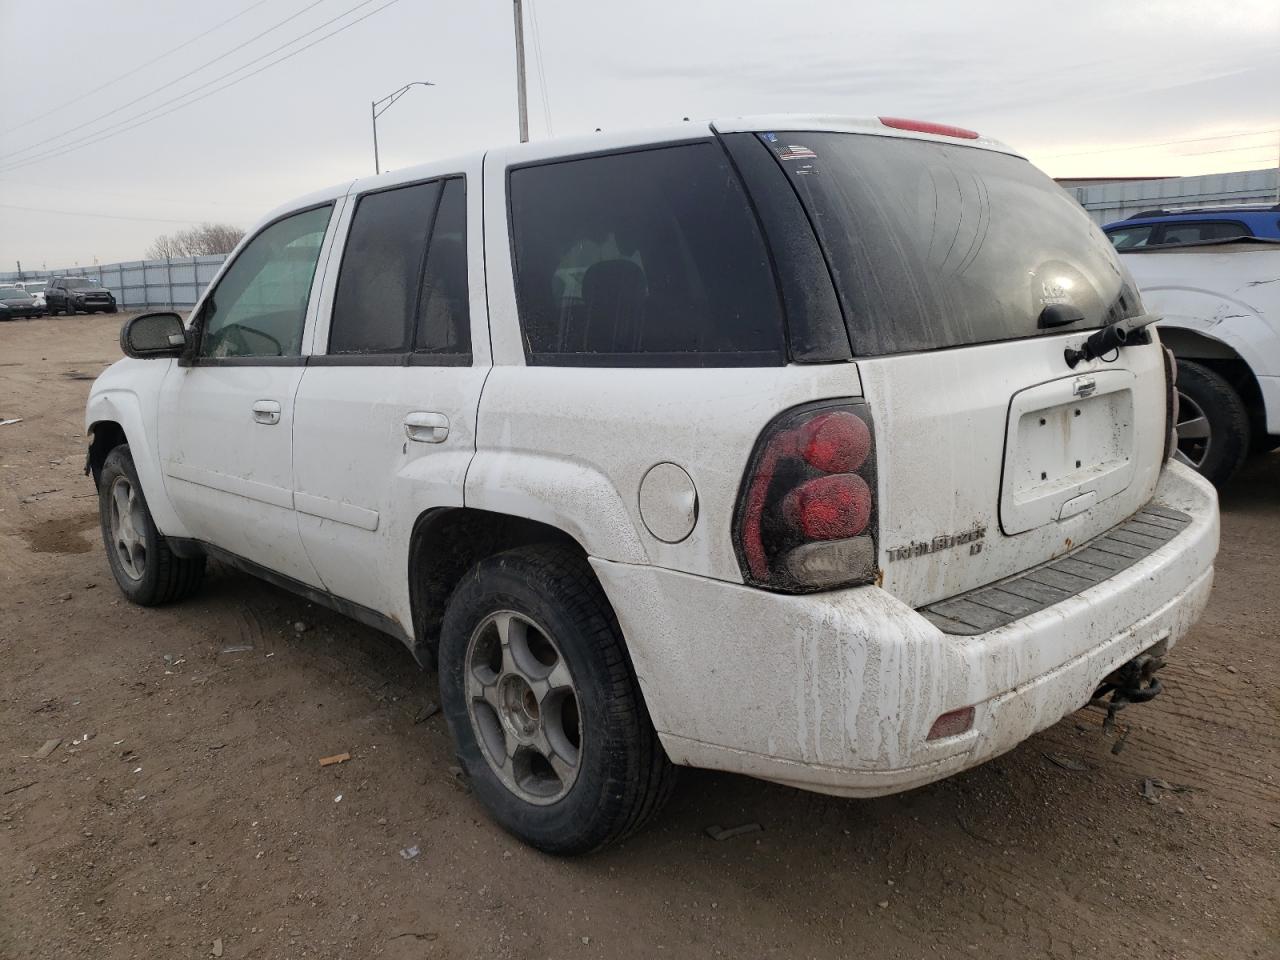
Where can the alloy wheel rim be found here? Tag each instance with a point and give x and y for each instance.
(523, 707)
(127, 523)
(1194, 435)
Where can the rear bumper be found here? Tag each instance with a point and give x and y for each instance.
(836, 692)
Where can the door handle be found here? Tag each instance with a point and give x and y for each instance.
(426, 427)
(266, 411)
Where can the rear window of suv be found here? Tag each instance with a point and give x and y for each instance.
(932, 245)
(644, 258)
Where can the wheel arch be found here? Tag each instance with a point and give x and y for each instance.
(445, 543)
(1223, 359)
(114, 417)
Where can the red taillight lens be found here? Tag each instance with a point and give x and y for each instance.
(829, 508)
(836, 442)
(806, 510)
(924, 126)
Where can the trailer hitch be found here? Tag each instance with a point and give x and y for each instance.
(1131, 682)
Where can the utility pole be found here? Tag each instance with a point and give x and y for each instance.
(520, 93)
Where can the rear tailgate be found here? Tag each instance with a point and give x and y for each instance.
(974, 487)
(993, 455)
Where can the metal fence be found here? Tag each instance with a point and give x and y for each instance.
(172, 282)
(1115, 201)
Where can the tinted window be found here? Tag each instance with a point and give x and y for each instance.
(933, 245)
(444, 320)
(373, 308)
(649, 257)
(1199, 231)
(259, 306)
(1127, 238)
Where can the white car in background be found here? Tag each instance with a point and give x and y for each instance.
(1219, 303)
(36, 289)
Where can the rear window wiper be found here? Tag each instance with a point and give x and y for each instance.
(1128, 332)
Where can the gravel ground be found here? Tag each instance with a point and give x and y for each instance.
(195, 820)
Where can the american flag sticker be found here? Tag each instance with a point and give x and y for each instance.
(795, 152)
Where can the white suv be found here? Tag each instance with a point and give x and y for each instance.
(832, 452)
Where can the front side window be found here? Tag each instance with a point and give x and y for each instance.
(1129, 238)
(259, 306)
(646, 258)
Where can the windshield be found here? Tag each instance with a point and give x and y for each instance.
(79, 283)
(932, 245)
(8, 293)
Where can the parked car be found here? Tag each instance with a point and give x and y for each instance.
(16, 302)
(831, 452)
(36, 289)
(75, 294)
(1220, 304)
(1155, 228)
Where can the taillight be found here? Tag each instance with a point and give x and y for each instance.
(806, 510)
(1170, 403)
(924, 126)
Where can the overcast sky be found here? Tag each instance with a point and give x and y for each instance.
(1084, 88)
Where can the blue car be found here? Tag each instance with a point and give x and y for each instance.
(1152, 228)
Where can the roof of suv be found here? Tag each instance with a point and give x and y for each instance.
(687, 130)
(1265, 220)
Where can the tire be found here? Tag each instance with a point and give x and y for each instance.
(621, 777)
(112, 309)
(1213, 424)
(153, 574)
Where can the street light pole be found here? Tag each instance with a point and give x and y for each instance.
(521, 101)
(378, 107)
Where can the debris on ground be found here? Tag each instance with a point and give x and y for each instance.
(427, 712)
(409, 853)
(22, 786)
(338, 798)
(1153, 786)
(728, 833)
(238, 648)
(336, 758)
(300, 627)
(5, 423)
(47, 748)
(1066, 762)
(217, 948)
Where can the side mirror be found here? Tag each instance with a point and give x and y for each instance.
(153, 335)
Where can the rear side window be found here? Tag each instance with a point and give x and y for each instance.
(373, 307)
(444, 320)
(1198, 231)
(933, 245)
(648, 258)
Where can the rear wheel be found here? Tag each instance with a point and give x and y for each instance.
(1213, 424)
(147, 572)
(546, 713)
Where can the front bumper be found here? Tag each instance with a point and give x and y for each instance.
(836, 692)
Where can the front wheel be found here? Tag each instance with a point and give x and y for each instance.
(147, 572)
(1213, 424)
(539, 694)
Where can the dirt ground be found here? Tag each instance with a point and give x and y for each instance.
(196, 818)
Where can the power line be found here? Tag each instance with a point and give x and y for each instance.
(541, 65)
(141, 66)
(150, 93)
(1161, 143)
(108, 134)
(102, 216)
